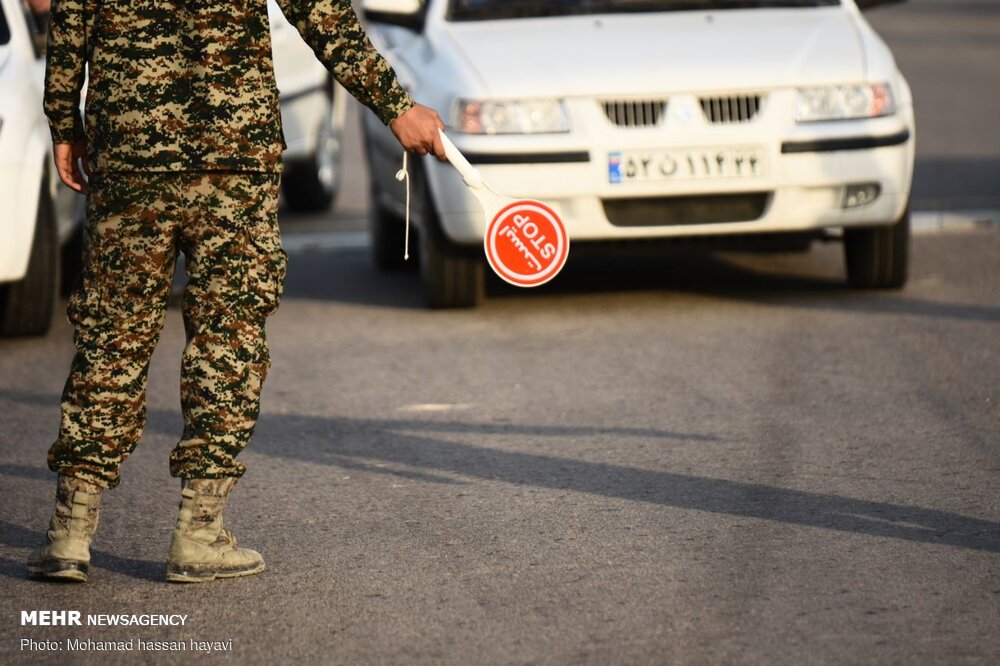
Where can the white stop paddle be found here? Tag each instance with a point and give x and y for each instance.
(525, 242)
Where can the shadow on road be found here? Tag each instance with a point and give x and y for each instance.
(949, 183)
(360, 444)
(780, 280)
(383, 441)
(347, 276)
(16, 536)
(26, 472)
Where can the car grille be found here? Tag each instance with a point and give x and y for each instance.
(731, 109)
(697, 209)
(635, 113)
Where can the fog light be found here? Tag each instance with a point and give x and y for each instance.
(860, 195)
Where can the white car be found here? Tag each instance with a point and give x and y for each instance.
(312, 115)
(30, 232)
(650, 119)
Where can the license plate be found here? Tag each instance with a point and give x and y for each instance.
(685, 164)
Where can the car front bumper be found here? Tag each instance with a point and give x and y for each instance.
(802, 188)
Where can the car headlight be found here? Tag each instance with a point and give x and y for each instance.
(844, 102)
(511, 116)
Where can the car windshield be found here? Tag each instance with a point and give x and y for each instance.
(477, 10)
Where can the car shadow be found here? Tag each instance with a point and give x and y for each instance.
(950, 183)
(347, 276)
(780, 280)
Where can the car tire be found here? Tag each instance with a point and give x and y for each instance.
(26, 306)
(310, 184)
(878, 257)
(452, 275)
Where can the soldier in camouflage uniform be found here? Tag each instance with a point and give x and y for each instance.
(183, 143)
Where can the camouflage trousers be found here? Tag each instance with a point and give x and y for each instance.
(226, 226)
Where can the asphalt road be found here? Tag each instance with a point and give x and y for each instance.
(664, 460)
(948, 50)
(663, 457)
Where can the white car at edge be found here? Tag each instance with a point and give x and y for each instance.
(650, 119)
(312, 116)
(30, 233)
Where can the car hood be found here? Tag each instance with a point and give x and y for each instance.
(636, 54)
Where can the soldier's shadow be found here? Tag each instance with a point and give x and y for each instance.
(15, 536)
(408, 448)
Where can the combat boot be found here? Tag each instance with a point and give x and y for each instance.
(66, 553)
(201, 548)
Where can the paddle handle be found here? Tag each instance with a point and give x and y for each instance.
(468, 172)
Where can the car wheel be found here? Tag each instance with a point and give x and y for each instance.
(26, 306)
(878, 257)
(388, 236)
(310, 184)
(452, 275)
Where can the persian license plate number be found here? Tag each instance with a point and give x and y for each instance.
(683, 164)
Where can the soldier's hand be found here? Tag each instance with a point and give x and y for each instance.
(68, 158)
(417, 131)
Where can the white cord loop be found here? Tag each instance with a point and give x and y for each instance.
(469, 174)
(404, 175)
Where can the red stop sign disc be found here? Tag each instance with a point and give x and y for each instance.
(526, 243)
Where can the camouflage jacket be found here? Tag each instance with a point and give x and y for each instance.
(188, 85)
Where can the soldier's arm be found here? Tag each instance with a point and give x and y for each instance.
(65, 68)
(333, 31)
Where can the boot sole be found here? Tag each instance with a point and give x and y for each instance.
(180, 574)
(70, 571)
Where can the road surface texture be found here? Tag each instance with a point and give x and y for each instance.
(666, 456)
(948, 50)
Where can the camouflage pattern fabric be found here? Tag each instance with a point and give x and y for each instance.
(210, 496)
(70, 492)
(188, 85)
(226, 225)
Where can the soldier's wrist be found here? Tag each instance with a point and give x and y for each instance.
(66, 133)
(397, 109)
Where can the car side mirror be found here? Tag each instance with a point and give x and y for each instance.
(406, 13)
(868, 4)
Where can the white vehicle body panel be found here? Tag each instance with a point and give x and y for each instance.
(304, 87)
(636, 54)
(678, 57)
(24, 146)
